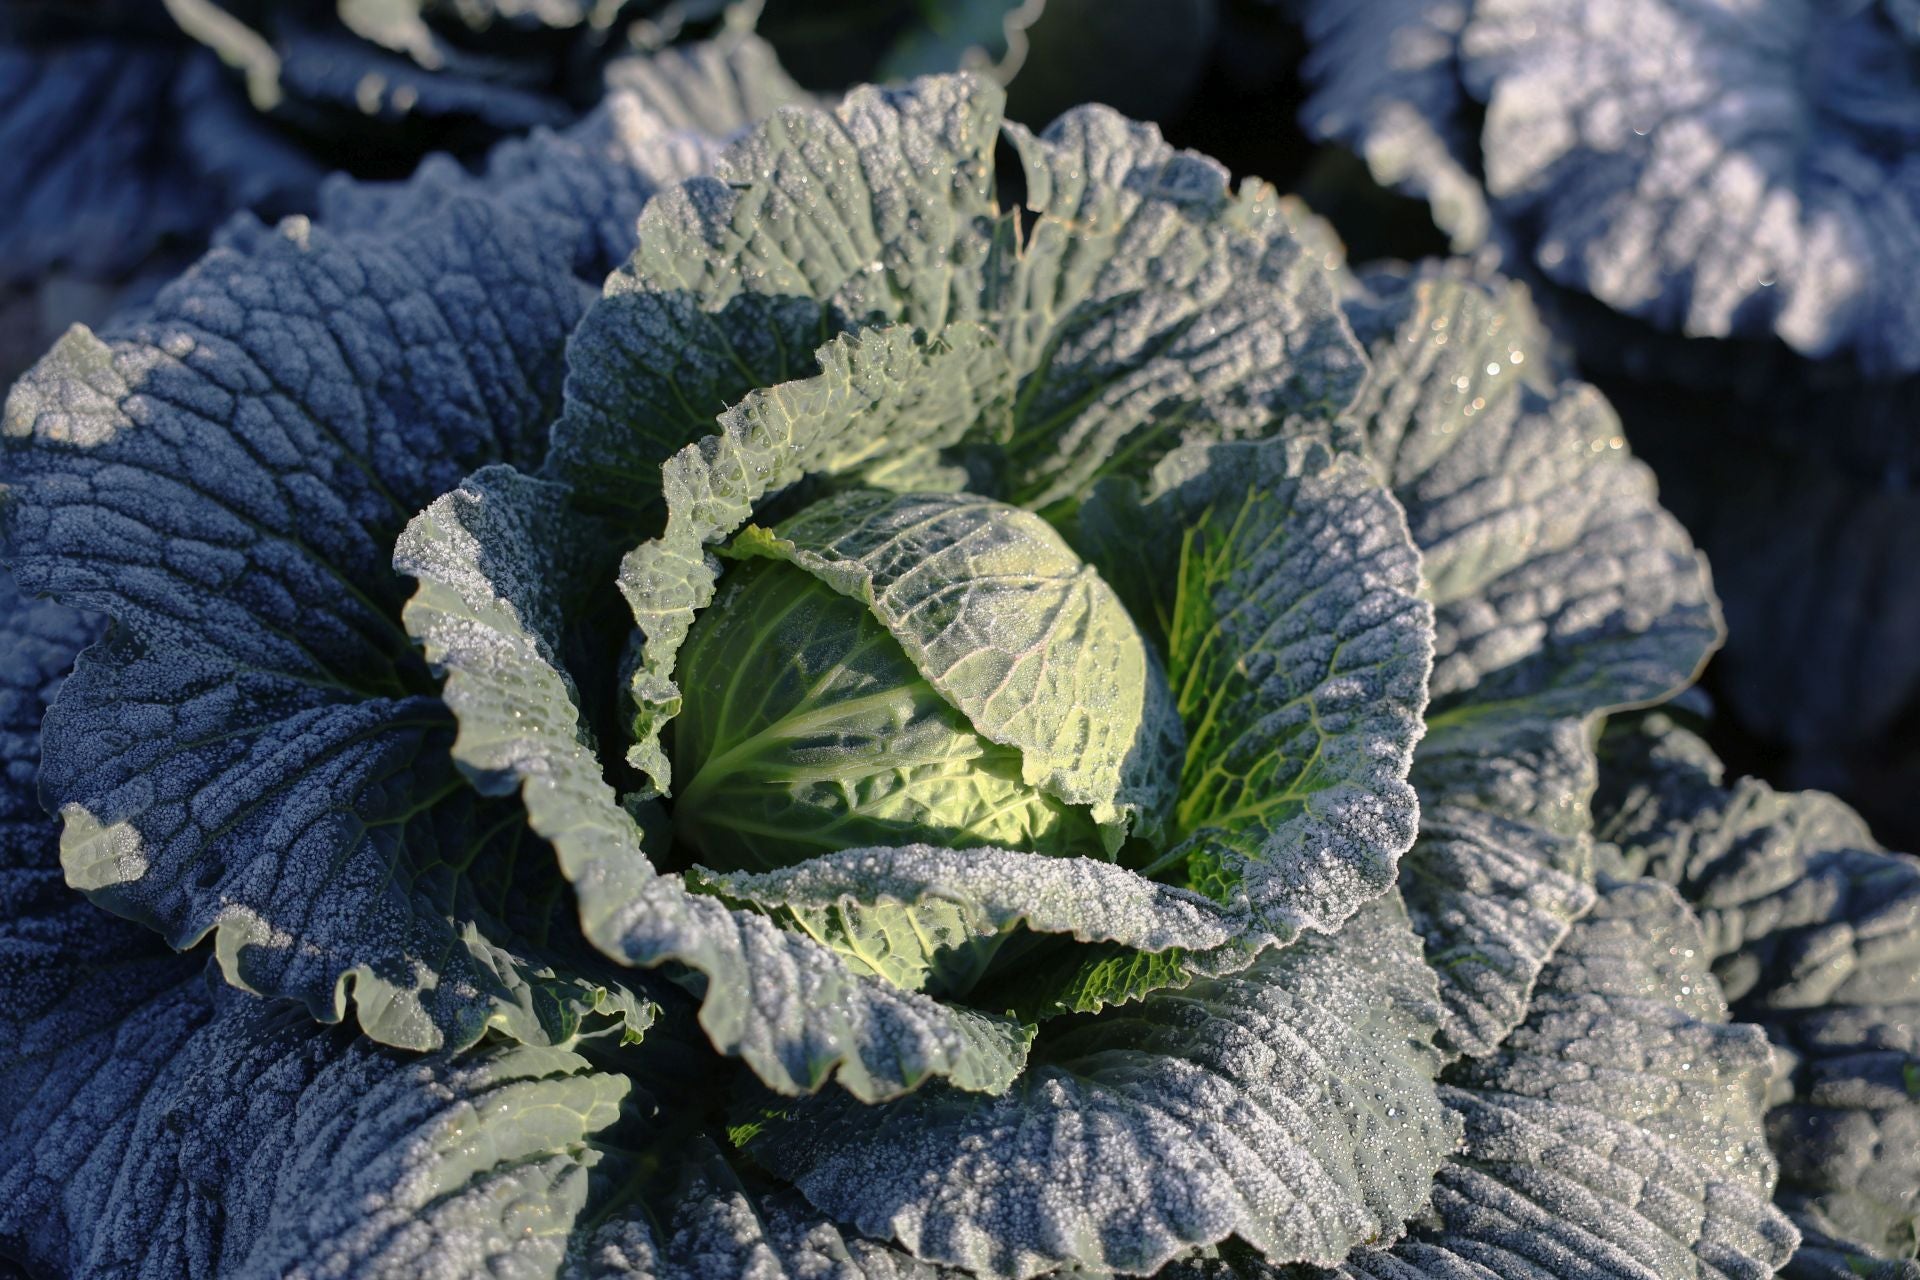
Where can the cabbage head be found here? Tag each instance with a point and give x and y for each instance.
(986, 706)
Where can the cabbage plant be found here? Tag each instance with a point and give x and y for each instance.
(1718, 205)
(987, 706)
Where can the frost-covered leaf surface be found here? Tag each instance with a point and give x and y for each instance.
(597, 175)
(159, 1125)
(1718, 169)
(896, 910)
(1815, 933)
(1616, 1132)
(886, 211)
(1560, 589)
(714, 1225)
(1291, 1105)
(256, 751)
(710, 88)
(201, 1131)
(1282, 587)
(499, 560)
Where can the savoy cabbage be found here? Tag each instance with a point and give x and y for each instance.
(966, 701)
(1718, 204)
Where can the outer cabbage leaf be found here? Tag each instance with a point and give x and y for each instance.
(1561, 590)
(710, 1223)
(1815, 934)
(1151, 303)
(154, 1150)
(157, 1125)
(886, 212)
(1616, 1132)
(1281, 584)
(1386, 81)
(500, 560)
(255, 751)
(599, 173)
(1291, 1105)
(1719, 169)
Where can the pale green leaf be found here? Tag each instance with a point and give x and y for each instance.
(900, 912)
(1006, 622)
(878, 393)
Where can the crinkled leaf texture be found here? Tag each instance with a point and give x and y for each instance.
(711, 1223)
(1291, 1105)
(708, 88)
(1718, 169)
(1616, 1133)
(499, 561)
(1143, 302)
(256, 751)
(894, 910)
(1815, 933)
(1045, 350)
(1560, 589)
(1013, 629)
(1280, 582)
(158, 1124)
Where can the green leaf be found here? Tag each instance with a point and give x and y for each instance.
(701, 1218)
(310, 1147)
(807, 728)
(1561, 590)
(499, 560)
(1291, 1105)
(1617, 1131)
(1000, 616)
(900, 912)
(706, 88)
(1137, 300)
(879, 393)
(1282, 585)
(1404, 112)
(812, 223)
(1815, 933)
(1150, 304)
